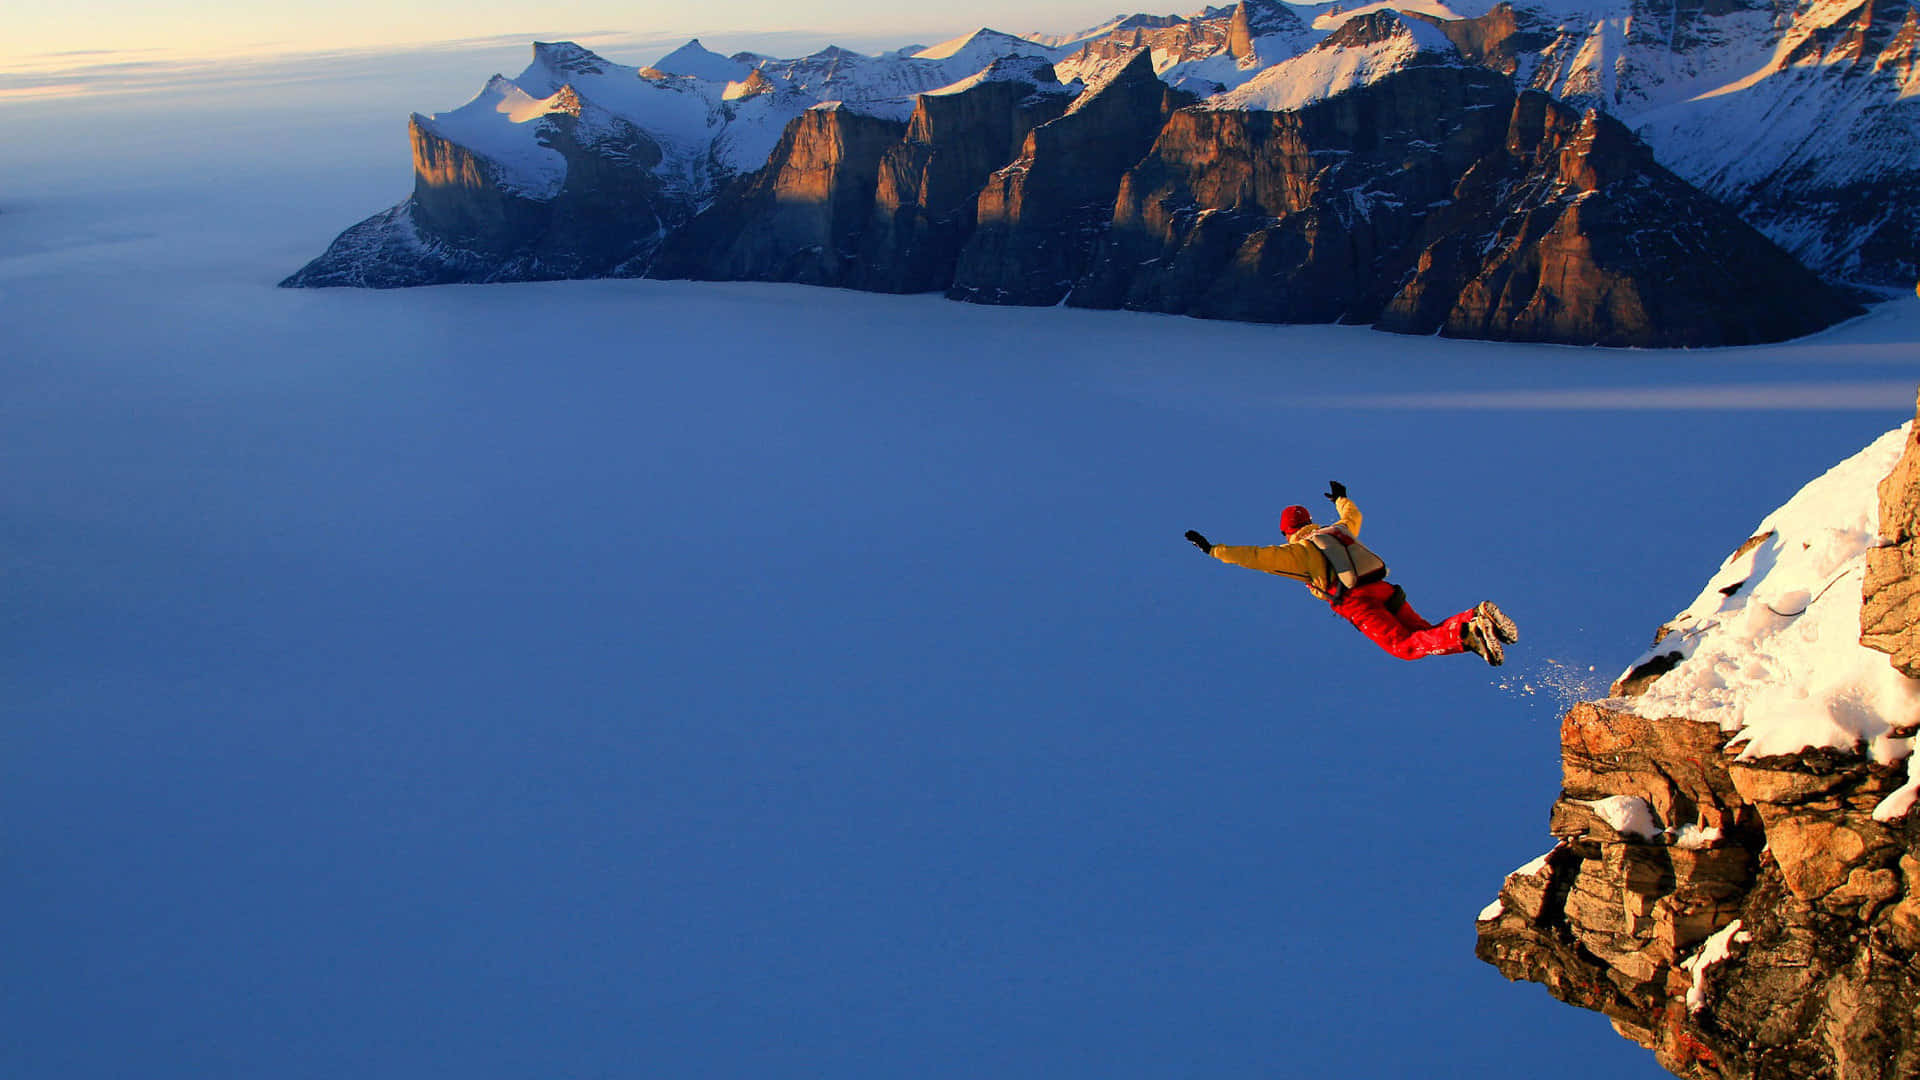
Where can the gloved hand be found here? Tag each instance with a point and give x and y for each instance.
(1336, 490)
(1199, 541)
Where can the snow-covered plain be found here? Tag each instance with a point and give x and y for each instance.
(640, 678)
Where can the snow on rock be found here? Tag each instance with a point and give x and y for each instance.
(498, 124)
(1770, 649)
(1738, 940)
(1365, 50)
(1028, 69)
(1332, 16)
(1714, 950)
(1627, 815)
(981, 47)
(712, 116)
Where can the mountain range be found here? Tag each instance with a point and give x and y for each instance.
(1612, 172)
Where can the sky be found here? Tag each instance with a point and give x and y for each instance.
(626, 678)
(41, 38)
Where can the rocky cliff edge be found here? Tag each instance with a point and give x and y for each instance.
(1736, 878)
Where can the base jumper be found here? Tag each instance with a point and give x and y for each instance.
(1337, 568)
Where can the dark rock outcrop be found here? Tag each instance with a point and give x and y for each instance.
(1598, 243)
(799, 219)
(1435, 200)
(1302, 216)
(923, 207)
(1038, 219)
(866, 203)
(1890, 597)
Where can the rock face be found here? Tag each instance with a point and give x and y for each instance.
(923, 208)
(1435, 200)
(801, 218)
(852, 200)
(1815, 905)
(1486, 176)
(467, 221)
(1890, 598)
(1743, 917)
(1038, 219)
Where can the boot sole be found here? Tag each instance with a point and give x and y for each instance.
(1503, 626)
(1489, 649)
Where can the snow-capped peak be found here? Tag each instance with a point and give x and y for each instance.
(700, 62)
(1360, 52)
(983, 43)
(557, 63)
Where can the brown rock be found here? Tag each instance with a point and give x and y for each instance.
(924, 202)
(1038, 220)
(1675, 765)
(1903, 921)
(1814, 855)
(798, 219)
(1785, 785)
(1577, 259)
(1890, 596)
(1826, 981)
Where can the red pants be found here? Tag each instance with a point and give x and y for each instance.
(1396, 627)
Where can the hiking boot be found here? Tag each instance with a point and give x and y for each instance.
(1503, 627)
(1479, 637)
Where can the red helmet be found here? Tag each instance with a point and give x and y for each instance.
(1293, 518)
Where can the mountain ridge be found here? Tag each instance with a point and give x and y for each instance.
(1845, 218)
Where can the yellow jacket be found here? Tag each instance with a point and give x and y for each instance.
(1295, 559)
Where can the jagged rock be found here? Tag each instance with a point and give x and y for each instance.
(1038, 219)
(1890, 596)
(1828, 976)
(596, 208)
(1290, 216)
(1599, 244)
(801, 218)
(1746, 918)
(1375, 206)
(1496, 40)
(923, 208)
(1255, 19)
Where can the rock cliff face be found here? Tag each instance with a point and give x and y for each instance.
(1437, 200)
(923, 208)
(1038, 219)
(1424, 174)
(1434, 200)
(1742, 915)
(467, 221)
(1890, 598)
(592, 202)
(802, 217)
(867, 203)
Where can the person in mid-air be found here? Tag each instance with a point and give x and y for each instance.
(1337, 568)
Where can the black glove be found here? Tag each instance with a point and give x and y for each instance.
(1199, 541)
(1336, 490)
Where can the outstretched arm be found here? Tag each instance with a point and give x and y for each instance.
(1287, 560)
(1349, 513)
